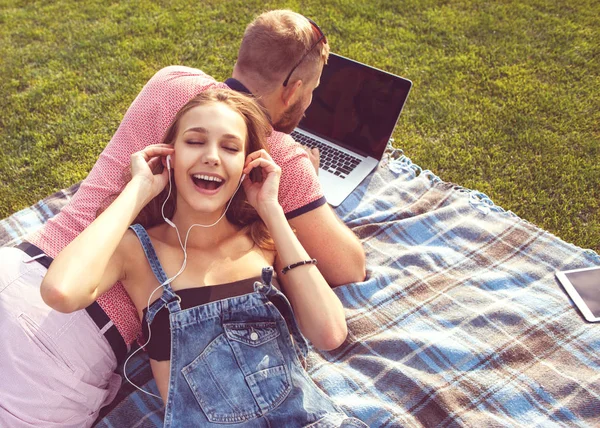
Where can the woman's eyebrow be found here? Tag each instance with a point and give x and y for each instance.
(231, 137)
(205, 131)
(196, 129)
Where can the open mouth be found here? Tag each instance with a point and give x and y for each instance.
(207, 182)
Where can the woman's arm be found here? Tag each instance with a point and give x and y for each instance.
(318, 310)
(95, 260)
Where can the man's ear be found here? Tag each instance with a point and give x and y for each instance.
(287, 95)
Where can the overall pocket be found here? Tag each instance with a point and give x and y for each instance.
(241, 374)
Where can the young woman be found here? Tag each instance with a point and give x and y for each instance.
(223, 341)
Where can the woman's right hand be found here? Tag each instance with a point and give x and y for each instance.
(145, 166)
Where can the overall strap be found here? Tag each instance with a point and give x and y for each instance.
(168, 297)
(285, 308)
(157, 268)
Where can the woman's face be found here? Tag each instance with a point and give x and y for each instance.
(209, 156)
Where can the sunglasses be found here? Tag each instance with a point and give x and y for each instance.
(321, 38)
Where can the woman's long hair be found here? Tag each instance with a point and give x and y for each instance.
(240, 212)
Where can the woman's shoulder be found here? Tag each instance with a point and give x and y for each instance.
(141, 240)
(136, 244)
(136, 255)
(138, 234)
(130, 248)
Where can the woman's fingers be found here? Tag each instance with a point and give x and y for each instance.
(155, 150)
(262, 159)
(266, 164)
(257, 155)
(146, 163)
(154, 163)
(150, 156)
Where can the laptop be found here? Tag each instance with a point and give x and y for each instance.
(351, 119)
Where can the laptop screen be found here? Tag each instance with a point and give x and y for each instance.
(356, 106)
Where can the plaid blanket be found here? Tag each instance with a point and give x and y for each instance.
(460, 321)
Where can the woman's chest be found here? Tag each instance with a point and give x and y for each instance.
(200, 268)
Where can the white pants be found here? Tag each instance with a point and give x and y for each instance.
(56, 370)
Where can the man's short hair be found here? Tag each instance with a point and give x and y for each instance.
(274, 42)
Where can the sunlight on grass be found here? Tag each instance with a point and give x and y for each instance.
(506, 96)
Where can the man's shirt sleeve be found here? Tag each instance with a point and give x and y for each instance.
(299, 187)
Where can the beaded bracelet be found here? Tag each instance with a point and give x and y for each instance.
(292, 266)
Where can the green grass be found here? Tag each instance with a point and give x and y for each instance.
(506, 95)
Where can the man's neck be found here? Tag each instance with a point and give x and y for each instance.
(265, 100)
(247, 81)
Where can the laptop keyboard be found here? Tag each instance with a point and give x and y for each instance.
(332, 160)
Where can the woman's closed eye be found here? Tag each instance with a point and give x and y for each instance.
(233, 148)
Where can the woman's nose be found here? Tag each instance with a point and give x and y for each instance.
(211, 156)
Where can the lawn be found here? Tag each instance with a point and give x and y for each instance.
(506, 95)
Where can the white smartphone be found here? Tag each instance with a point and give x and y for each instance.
(583, 286)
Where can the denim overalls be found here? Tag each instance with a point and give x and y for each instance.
(234, 363)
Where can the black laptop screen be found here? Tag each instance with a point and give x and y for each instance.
(356, 106)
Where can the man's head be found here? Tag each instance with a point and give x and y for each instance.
(280, 47)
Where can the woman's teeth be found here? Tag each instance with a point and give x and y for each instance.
(207, 181)
(208, 178)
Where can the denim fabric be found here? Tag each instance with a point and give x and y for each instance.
(234, 362)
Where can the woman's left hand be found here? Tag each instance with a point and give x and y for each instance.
(264, 194)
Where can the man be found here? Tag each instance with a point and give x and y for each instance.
(280, 62)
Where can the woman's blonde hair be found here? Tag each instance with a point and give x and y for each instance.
(240, 212)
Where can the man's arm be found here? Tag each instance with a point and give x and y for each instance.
(339, 253)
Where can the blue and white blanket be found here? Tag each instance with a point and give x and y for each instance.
(460, 322)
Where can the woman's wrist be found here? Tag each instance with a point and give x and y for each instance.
(271, 213)
(142, 188)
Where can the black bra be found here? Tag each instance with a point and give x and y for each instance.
(159, 347)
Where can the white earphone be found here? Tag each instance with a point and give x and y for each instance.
(169, 222)
(183, 266)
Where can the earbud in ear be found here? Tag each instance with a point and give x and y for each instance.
(243, 177)
(168, 162)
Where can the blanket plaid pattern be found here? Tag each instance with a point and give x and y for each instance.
(460, 321)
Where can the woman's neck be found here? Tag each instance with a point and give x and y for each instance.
(199, 236)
